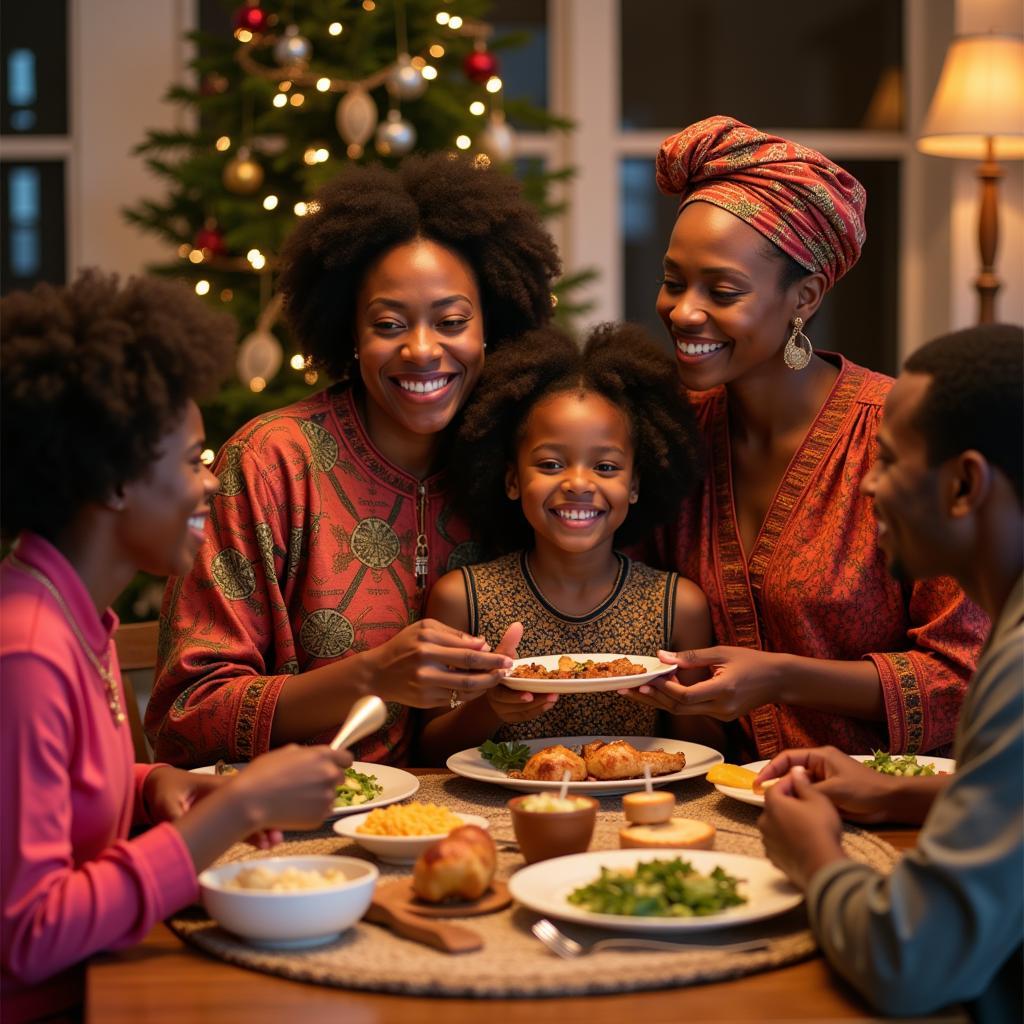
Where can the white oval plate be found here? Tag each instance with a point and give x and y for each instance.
(654, 667)
(699, 761)
(396, 849)
(748, 796)
(398, 785)
(545, 887)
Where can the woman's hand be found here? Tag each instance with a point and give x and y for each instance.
(741, 679)
(169, 792)
(290, 788)
(800, 828)
(428, 663)
(519, 706)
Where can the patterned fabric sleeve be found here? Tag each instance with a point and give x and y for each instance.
(226, 645)
(923, 687)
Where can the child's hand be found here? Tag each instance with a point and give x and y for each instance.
(518, 706)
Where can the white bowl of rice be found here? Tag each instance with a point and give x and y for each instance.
(289, 902)
(399, 833)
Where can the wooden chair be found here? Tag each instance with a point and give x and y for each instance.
(136, 650)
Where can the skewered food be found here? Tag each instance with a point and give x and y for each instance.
(648, 808)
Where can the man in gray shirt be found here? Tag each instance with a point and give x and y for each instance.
(947, 924)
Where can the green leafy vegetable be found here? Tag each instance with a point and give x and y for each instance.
(506, 756)
(357, 789)
(659, 888)
(906, 765)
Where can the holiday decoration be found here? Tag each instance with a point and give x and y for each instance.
(405, 81)
(395, 136)
(260, 356)
(292, 48)
(209, 240)
(356, 118)
(251, 18)
(497, 140)
(480, 66)
(243, 175)
(213, 84)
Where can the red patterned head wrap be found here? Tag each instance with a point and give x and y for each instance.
(797, 198)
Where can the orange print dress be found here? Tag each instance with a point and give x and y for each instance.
(310, 557)
(816, 584)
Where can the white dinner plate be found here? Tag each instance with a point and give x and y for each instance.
(397, 849)
(748, 796)
(398, 785)
(699, 760)
(544, 888)
(654, 667)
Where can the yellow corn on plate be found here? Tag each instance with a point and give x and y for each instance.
(732, 775)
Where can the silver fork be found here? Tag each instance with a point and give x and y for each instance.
(568, 949)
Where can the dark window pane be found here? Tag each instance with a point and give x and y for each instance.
(802, 63)
(859, 318)
(32, 210)
(524, 68)
(34, 75)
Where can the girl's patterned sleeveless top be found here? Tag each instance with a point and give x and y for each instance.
(636, 618)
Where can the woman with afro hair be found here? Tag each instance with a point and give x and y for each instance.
(334, 516)
(101, 441)
(573, 453)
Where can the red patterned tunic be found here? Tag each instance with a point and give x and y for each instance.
(816, 584)
(309, 558)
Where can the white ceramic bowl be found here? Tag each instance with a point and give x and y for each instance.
(291, 919)
(396, 849)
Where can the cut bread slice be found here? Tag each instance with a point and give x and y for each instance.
(680, 833)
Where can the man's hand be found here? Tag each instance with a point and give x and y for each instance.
(800, 828)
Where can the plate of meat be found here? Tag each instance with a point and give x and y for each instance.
(584, 673)
(597, 765)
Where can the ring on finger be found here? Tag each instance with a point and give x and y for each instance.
(453, 699)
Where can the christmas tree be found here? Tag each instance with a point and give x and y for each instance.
(301, 89)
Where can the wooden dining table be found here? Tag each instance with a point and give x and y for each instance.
(164, 981)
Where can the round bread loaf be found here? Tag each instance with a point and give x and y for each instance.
(679, 833)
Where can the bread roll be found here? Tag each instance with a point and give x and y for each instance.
(458, 867)
(648, 808)
(680, 833)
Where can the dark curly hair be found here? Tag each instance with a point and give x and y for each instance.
(974, 398)
(618, 362)
(93, 376)
(474, 211)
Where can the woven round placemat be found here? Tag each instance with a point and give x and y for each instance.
(513, 963)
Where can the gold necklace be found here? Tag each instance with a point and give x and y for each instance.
(113, 694)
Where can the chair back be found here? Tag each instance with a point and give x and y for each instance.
(136, 651)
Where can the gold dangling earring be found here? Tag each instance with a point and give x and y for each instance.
(799, 350)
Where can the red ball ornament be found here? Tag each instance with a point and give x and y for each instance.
(252, 18)
(211, 240)
(479, 66)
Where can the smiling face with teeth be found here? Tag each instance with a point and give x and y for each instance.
(724, 300)
(420, 342)
(162, 519)
(573, 474)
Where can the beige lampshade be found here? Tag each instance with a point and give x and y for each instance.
(980, 95)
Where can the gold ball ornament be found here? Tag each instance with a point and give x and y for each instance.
(243, 175)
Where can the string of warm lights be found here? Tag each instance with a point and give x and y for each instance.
(357, 118)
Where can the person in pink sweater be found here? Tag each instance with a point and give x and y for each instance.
(101, 445)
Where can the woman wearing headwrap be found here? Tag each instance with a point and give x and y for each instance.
(818, 642)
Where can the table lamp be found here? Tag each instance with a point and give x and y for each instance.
(977, 113)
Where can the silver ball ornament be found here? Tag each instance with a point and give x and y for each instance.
(395, 136)
(292, 48)
(498, 140)
(405, 81)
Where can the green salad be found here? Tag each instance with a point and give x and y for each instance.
(906, 764)
(357, 789)
(659, 888)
